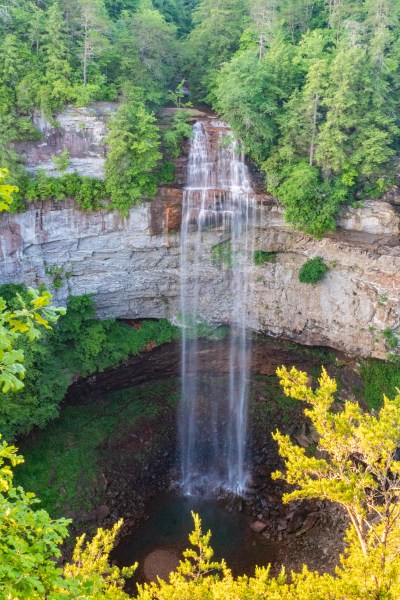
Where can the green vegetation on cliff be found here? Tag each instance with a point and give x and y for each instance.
(80, 345)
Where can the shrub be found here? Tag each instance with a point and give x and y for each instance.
(62, 161)
(312, 271)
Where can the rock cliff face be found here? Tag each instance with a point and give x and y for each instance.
(132, 265)
(81, 131)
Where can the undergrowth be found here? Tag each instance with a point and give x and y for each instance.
(80, 345)
(63, 461)
(379, 377)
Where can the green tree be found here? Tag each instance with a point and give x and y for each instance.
(6, 191)
(250, 93)
(264, 16)
(30, 539)
(55, 89)
(360, 472)
(24, 319)
(30, 544)
(214, 39)
(148, 51)
(94, 29)
(133, 155)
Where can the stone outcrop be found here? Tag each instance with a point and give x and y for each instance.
(81, 131)
(131, 265)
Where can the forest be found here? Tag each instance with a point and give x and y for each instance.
(310, 87)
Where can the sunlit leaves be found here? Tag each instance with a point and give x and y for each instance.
(357, 468)
(26, 320)
(6, 191)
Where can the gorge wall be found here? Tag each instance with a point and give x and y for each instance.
(132, 265)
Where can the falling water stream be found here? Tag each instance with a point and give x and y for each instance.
(218, 200)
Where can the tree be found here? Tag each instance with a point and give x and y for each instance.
(30, 540)
(148, 51)
(55, 89)
(214, 39)
(134, 143)
(264, 16)
(30, 544)
(358, 468)
(250, 94)
(95, 27)
(24, 320)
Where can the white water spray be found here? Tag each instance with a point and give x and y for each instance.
(213, 421)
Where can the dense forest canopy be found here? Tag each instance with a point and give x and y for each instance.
(311, 87)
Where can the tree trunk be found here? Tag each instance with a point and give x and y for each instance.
(85, 53)
(314, 129)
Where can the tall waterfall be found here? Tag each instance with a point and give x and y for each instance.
(218, 201)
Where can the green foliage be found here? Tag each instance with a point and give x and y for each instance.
(133, 155)
(62, 161)
(361, 473)
(379, 376)
(222, 254)
(63, 461)
(30, 538)
(214, 39)
(147, 52)
(179, 131)
(6, 191)
(80, 345)
(57, 275)
(392, 341)
(89, 193)
(31, 545)
(311, 203)
(313, 271)
(166, 172)
(260, 257)
(23, 318)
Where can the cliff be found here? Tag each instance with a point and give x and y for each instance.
(132, 265)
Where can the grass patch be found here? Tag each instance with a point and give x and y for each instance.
(261, 256)
(63, 460)
(379, 378)
(222, 254)
(275, 401)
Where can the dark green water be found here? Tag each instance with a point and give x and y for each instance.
(170, 523)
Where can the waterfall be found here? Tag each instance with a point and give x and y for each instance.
(218, 201)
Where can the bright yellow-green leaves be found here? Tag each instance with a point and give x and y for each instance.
(6, 191)
(358, 469)
(90, 576)
(26, 320)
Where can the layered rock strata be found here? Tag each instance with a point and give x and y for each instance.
(132, 267)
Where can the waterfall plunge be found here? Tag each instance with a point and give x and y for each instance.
(218, 199)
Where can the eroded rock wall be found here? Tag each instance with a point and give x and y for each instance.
(80, 131)
(131, 265)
